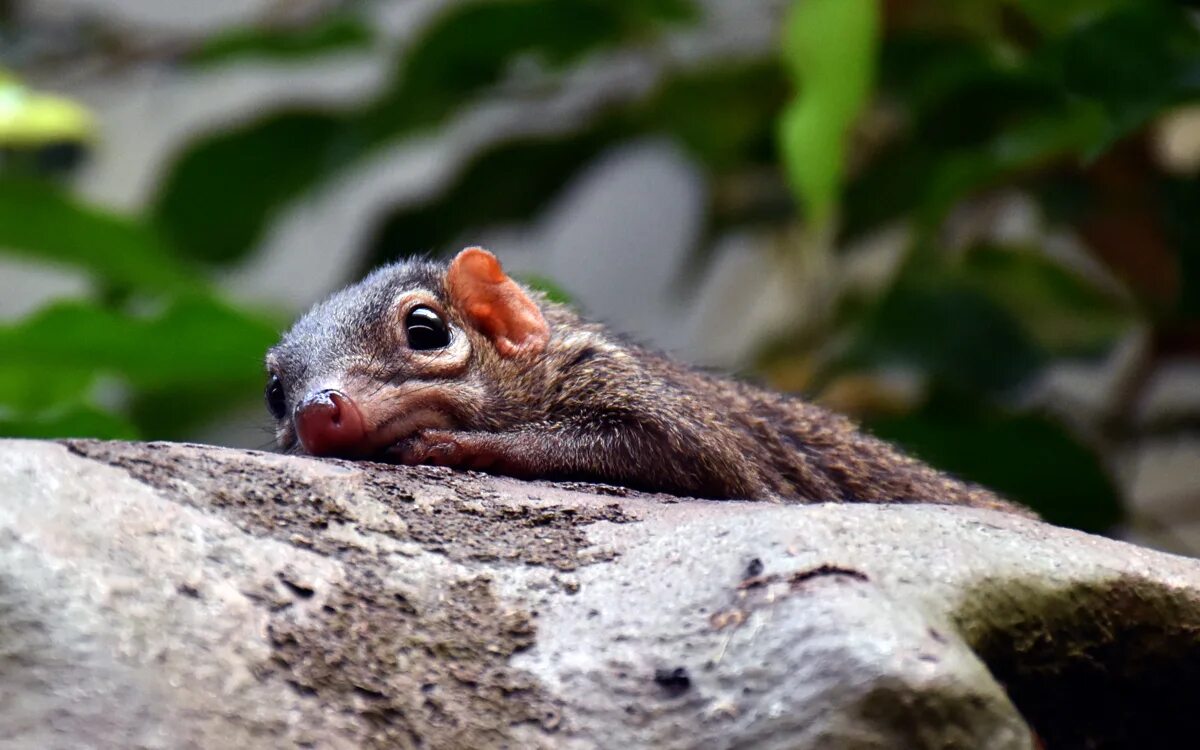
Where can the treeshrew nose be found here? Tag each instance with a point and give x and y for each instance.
(329, 423)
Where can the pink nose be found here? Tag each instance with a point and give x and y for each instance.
(328, 423)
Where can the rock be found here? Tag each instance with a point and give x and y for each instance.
(176, 596)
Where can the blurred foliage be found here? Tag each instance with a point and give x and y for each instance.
(829, 47)
(152, 329)
(41, 222)
(247, 175)
(870, 114)
(1052, 99)
(39, 131)
(29, 118)
(337, 33)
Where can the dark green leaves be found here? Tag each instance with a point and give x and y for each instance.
(1029, 458)
(1049, 102)
(986, 324)
(66, 420)
(981, 117)
(246, 176)
(194, 340)
(54, 363)
(337, 33)
(948, 332)
(1130, 63)
(39, 221)
(73, 367)
(220, 195)
(1060, 311)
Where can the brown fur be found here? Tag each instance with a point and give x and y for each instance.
(586, 405)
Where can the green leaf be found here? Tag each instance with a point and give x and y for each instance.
(474, 45)
(1024, 146)
(812, 144)
(337, 33)
(1060, 311)
(41, 222)
(509, 183)
(984, 324)
(829, 49)
(177, 413)
(724, 116)
(193, 341)
(1131, 63)
(1062, 16)
(1025, 457)
(1098, 71)
(944, 329)
(974, 119)
(27, 388)
(69, 420)
(923, 71)
(219, 196)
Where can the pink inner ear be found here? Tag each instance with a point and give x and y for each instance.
(496, 304)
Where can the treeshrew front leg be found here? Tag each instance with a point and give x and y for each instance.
(525, 453)
(629, 456)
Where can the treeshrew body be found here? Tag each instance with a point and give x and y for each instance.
(457, 364)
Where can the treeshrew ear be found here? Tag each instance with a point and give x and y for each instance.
(495, 304)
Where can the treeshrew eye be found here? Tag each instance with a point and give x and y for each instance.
(275, 397)
(426, 329)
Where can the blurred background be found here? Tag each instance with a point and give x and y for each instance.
(973, 225)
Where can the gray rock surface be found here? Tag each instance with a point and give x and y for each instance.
(178, 596)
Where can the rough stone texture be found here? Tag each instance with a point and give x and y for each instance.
(169, 596)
